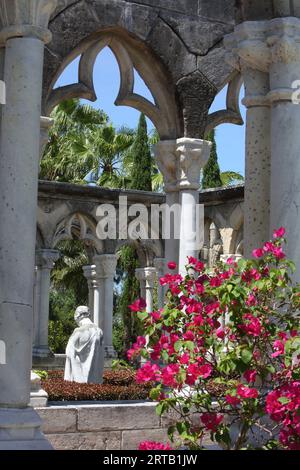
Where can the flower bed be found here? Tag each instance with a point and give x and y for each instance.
(117, 385)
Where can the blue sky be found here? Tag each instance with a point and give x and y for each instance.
(230, 138)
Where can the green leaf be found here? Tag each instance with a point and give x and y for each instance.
(142, 315)
(246, 355)
(284, 400)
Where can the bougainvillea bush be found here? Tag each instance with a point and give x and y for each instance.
(224, 352)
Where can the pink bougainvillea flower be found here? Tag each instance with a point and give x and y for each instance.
(150, 445)
(220, 333)
(138, 305)
(172, 265)
(252, 325)
(211, 421)
(169, 374)
(205, 371)
(258, 253)
(279, 348)
(279, 233)
(278, 252)
(246, 392)
(156, 316)
(250, 376)
(189, 336)
(231, 400)
(251, 301)
(147, 373)
(192, 260)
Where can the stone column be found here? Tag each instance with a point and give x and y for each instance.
(272, 47)
(106, 267)
(166, 160)
(146, 277)
(192, 155)
(258, 148)
(23, 31)
(283, 39)
(160, 266)
(45, 260)
(180, 162)
(89, 273)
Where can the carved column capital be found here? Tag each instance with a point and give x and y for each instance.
(19, 18)
(166, 161)
(147, 275)
(192, 155)
(45, 259)
(247, 46)
(105, 265)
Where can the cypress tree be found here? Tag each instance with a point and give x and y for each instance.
(142, 160)
(211, 173)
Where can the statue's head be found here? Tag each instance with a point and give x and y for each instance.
(80, 313)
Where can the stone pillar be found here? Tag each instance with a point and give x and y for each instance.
(89, 273)
(192, 156)
(258, 148)
(272, 47)
(45, 260)
(166, 160)
(23, 31)
(284, 43)
(146, 277)
(160, 266)
(180, 162)
(106, 267)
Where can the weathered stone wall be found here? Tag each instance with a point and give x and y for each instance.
(59, 202)
(101, 427)
(110, 426)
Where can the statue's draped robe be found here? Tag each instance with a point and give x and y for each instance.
(85, 355)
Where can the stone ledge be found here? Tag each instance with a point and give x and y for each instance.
(58, 420)
(86, 441)
(118, 416)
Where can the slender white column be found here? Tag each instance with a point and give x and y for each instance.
(160, 266)
(106, 267)
(166, 160)
(20, 147)
(89, 273)
(192, 155)
(147, 277)
(45, 261)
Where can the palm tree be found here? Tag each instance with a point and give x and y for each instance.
(229, 178)
(70, 120)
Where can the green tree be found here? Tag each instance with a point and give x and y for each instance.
(211, 173)
(141, 159)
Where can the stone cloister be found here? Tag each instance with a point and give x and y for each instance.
(186, 52)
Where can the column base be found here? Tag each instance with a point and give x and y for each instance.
(42, 351)
(110, 353)
(20, 429)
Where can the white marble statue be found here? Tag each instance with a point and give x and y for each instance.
(85, 351)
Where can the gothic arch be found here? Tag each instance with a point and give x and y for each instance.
(81, 227)
(163, 113)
